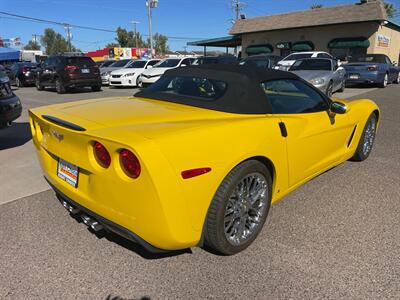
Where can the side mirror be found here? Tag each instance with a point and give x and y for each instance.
(338, 108)
(149, 67)
(183, 65)
(394, 63)
(339, 63)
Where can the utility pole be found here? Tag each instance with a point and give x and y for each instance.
(35, 38)
(134, 29)
(69, 35)
(237, 6)
(151, 4)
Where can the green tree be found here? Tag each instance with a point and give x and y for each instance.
(32, 45)
(315, 6)
(55, 43)
(390, 9)
(160, 43)
(112, 45)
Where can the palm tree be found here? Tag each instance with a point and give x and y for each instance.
(315, 6)
(390, 9)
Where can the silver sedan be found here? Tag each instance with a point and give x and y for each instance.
(325, 74)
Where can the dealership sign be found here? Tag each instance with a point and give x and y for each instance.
(10, 42)
(383, 41)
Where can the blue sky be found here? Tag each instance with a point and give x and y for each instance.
(175, 18)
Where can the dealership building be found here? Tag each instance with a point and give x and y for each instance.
(343, 31)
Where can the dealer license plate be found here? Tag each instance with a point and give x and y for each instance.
(85, 71)
(354, 76)
(68, 172)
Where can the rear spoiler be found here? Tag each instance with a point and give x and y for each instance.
(63, 123)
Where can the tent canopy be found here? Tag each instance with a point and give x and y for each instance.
(9, 54)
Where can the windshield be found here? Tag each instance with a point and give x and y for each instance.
(312, 64)
(120, 63)
(368, 58)
(28, 65)
(298, 56)
(168, 63)
(107, 63)
(260, 63)
(137, 64)
(80, 61)
(197, 87)
(205, 60)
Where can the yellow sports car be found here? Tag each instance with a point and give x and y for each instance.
(198, 157)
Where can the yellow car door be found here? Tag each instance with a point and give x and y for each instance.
(315, 139)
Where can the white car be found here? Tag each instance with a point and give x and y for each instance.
(289, 60)
(152, 75)
(129, 75)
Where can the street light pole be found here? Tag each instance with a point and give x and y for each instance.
(134, 29)
(151, 4)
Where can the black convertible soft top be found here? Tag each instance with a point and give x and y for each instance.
(244, 94)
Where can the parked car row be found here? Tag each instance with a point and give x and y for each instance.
(10, 105)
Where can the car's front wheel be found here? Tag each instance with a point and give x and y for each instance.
(239, 208)
(39, 86)
(18, 82)
(60, 88)
(367, 139)
(397, 81)
(329, 90)
(384, 82)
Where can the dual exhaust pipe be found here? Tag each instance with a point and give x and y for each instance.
(96, 226)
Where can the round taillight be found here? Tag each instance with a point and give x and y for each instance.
(102, 155)
(129, 163)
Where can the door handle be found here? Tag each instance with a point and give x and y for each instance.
(283, 129)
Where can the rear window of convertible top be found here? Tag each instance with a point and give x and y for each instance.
(197, 87)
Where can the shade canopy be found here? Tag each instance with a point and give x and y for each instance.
(353, 42)
(226, 41)
(303, 46)
(9, 54)
(259, 49)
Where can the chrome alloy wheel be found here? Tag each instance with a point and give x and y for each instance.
(369, 136)
(246, 208)
(385, 80)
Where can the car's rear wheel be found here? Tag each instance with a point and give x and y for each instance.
(239, 208)
(60, 88)
(329, 90)
(367, 139)
(96, 88)
(384, 82)
(39, 87)
(18, 82)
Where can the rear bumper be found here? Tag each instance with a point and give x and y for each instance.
(83, 82)
(10, 110)
(371, 78)
(107, 224)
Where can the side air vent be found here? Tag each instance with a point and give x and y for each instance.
(351, 136)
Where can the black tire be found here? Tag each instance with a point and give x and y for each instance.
(137, 81)
(60, 88)
(385, 81)
(39, 87)
(214, 229)
(96, 88)
(329, 89)
(362, 152)
(397, 80)
(343, 86)
(18, 82)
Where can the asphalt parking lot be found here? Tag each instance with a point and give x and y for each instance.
(338, 236)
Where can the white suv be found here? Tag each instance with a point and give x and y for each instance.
(152, 75)
(289, 60)
(129, 76)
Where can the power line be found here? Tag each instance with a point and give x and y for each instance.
(38, 20)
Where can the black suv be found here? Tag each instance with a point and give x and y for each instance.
(10, 105)
(63, 72)
(22, 73)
